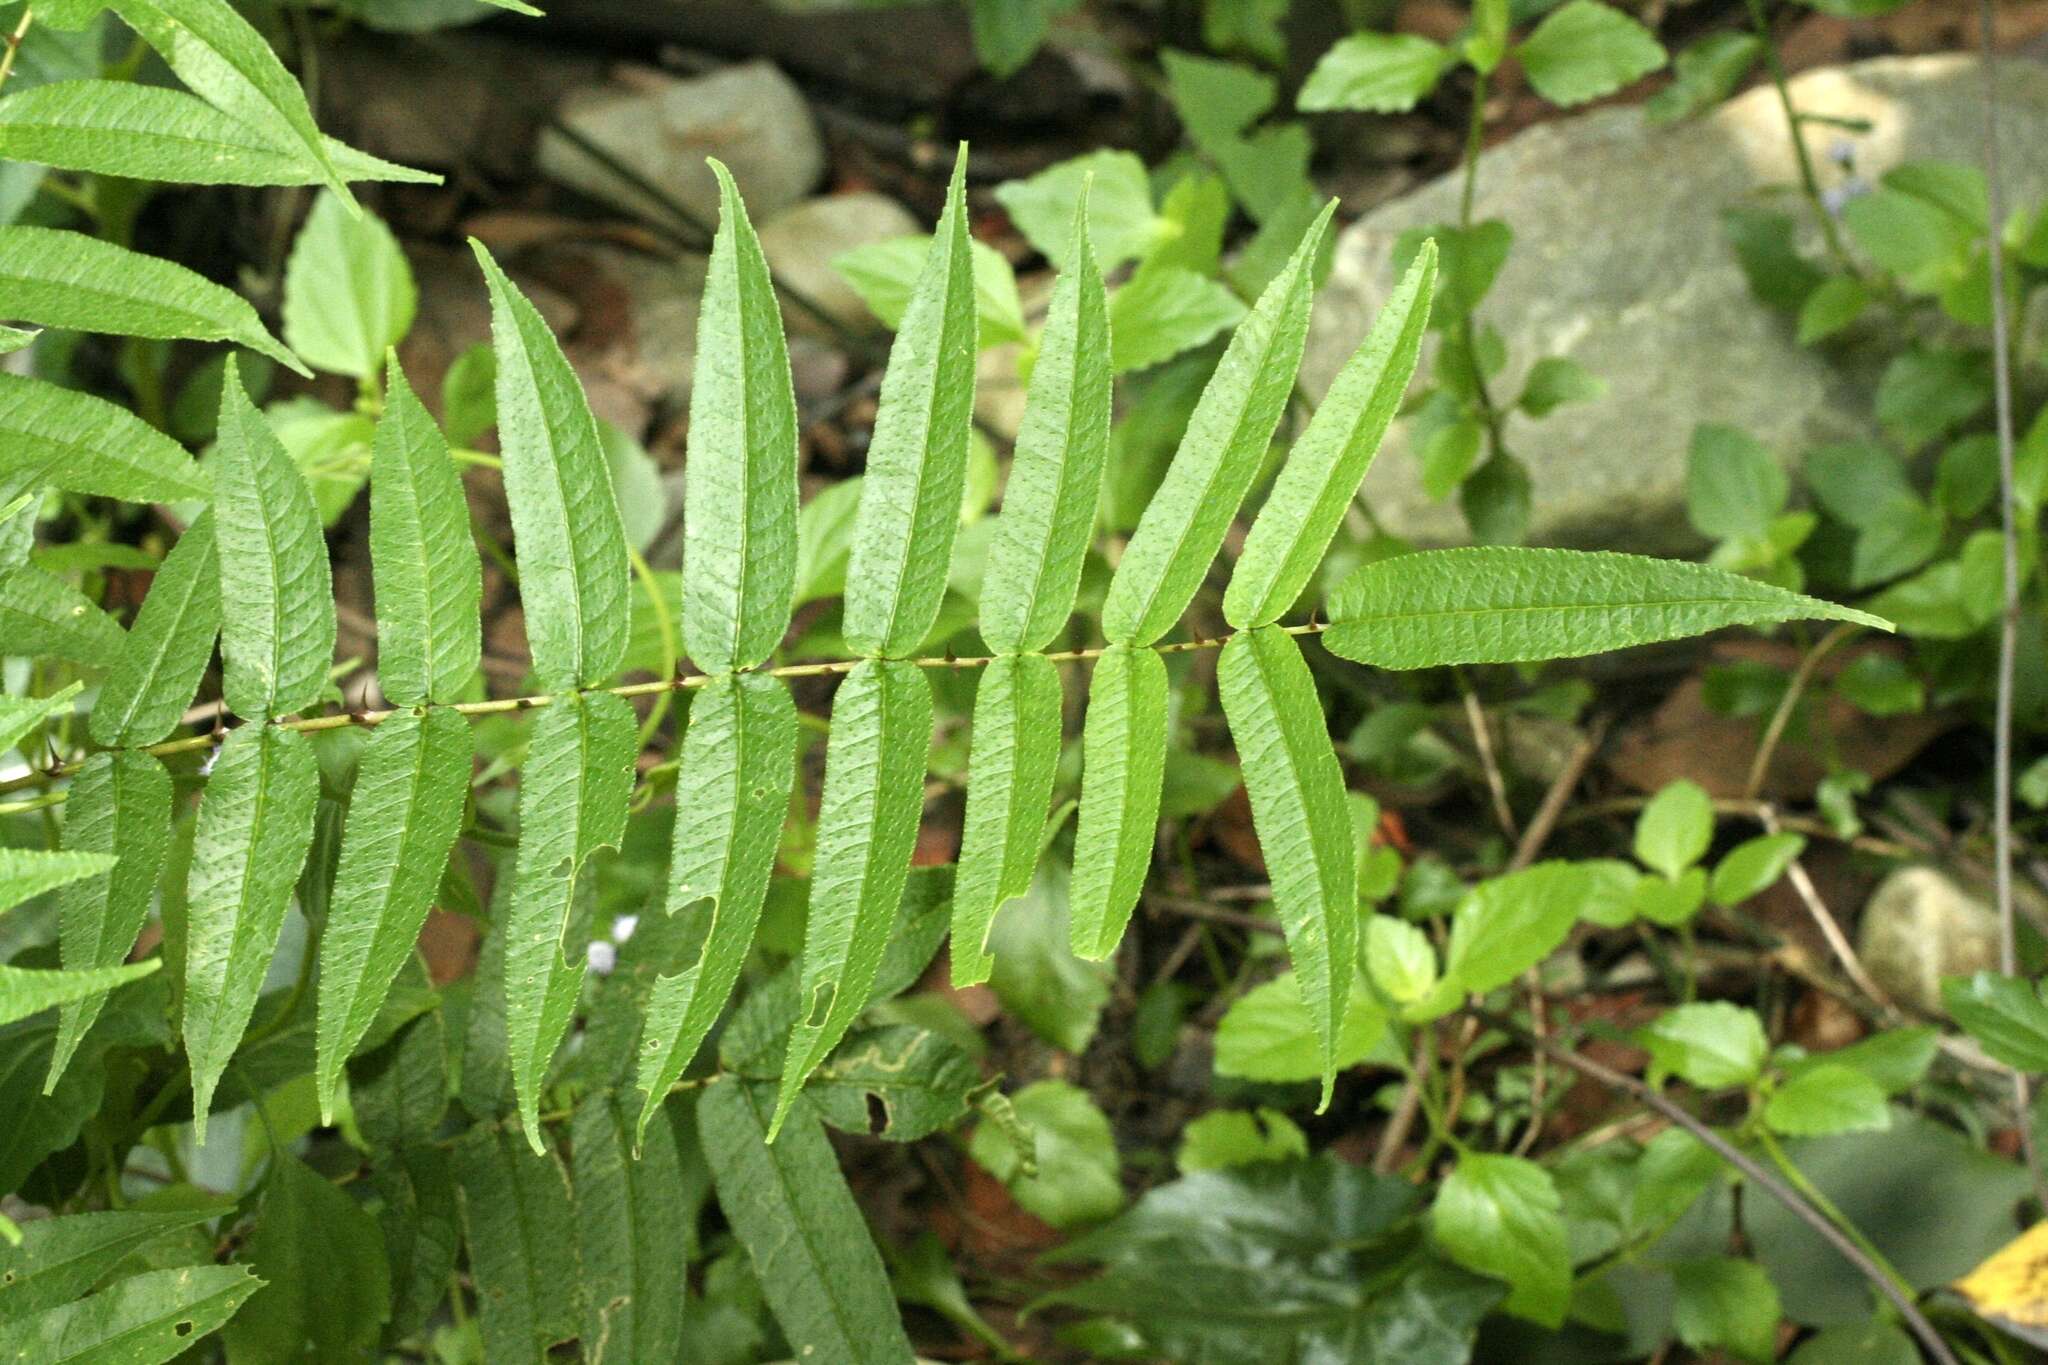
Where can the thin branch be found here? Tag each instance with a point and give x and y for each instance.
(1774, 733)
(1558, 797)
(14, 41)
(1489, 763)
(1830, 928)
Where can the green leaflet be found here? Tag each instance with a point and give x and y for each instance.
(348, 292)
(732, 793)
(321, 1255)
(1016, 748)
(572, 802)
(1123, 770)
(565, 518)
(150, 132)
(412, 783)
(19, 715)
(60, 438)
(224, 60)
(25, 991)
(1048, 518)
(1302, 815)
(16, 338)
(631, 1221)
(739, 504)
(277, 593)
(1324, 469)
(522, 1245)
(1233, 422)
(120, 805)
(423, 561)
(790, 1207)
(40, 614)
(166, 651)
(29, 872)
(141, 1320)
(255, 825)
(917, 462)
(80, 283)
(1497, 604)
(61, 1258)
(867, 827)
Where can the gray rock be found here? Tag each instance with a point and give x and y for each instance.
(749, 116)
(1619, 263)
(801, 242)
(1919, 927)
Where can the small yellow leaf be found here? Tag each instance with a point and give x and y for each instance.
(2011, 1287)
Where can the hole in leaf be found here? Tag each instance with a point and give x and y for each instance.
(183, 1329)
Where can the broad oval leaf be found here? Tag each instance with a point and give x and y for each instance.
(739, 504)
(1324, 469)
(867, 827)
(917, 462)
(151, 1317)
(732, 795)
(1500, 604)
(1016, 749)
(348, 292)
(518, 1223)
(59, 1259)
(43, 615)
(119, 804)
(80, 283)
(633, 1213)
(565, 518)
(165, 653)
(412, 783)
(1302, 815)
(1034, 566)
(1123, 770)
(255, 826)
(1225, 444)
(423, 561)
(1501, 1216)
(277, 593)
(61, 438)
(572, 802)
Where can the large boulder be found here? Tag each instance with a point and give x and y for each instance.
(1620, 264)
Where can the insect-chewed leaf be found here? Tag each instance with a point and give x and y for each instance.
(120, 804)
(348, 291)
(411, 785)
(1183, 526)
(1323, 471)
(228, 63)
(917, 463)
(277, 594)
(82, 284)
(732, 792)
(40, 614)
(521, 1235)
(739, 505)
(25, 991)
(572, 802)
(565, 517)
(255, 825)
(1034, 566)
(166, 651)
(827, 1287)
(154, 1316)
(867, 827)
(422, 560)
(631, 1219)
(61, 438)
(1009, 787)
(1303, 818)
(26, 872)
(1499, 604)
(58, 1259)
(19, 715)
(1123, 770)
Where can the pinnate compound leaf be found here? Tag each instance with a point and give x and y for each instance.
(120, 805)
(1048, 517)
(739, 504)
(867, 828)
(80, 283)
(165, 653)
(631, 1219)
(1302, 815)
(520, 1230)
(732, 794)
(1016, 748)
(412, 783)
(348, 292)
(42, 615)
(142, 1320)
(424, 564)
(1501, 1216)
(59, 1259)
(917, 463)
(572, 802)
(255, 827)
(1123, 771)
(810, 1247)
(1183, 526)
(1324, 469)
(29, 872)
(570, 540)
(1500, 604)
(61, 438)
